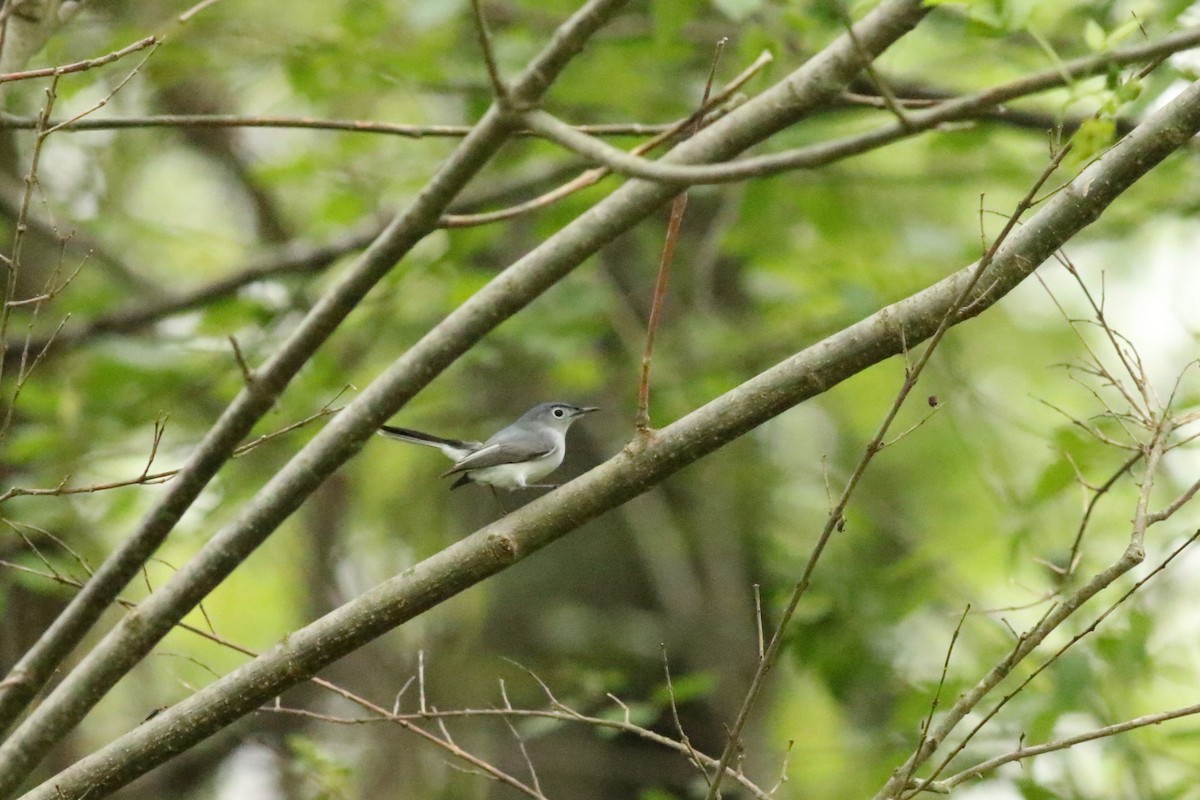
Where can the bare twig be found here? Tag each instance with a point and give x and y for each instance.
(937, 694)
(868, 64)
(783, 768)
(683, 737)
(186, 16)
(407, 131)
(1176, 504)
(499, 87)
(160, 427)
(80, 66)
(101, 103)
(533, 777)
(1099, 492)
(146, 479)
(421, 679)
(13, 262)
(247, 373)
(758, 619)
(678, 206)
(1022, 753)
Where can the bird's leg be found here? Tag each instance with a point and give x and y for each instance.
(541, 486)
(499, 502)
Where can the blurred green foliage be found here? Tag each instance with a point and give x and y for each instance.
(978, 505)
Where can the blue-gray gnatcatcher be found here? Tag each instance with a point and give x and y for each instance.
(529, 449)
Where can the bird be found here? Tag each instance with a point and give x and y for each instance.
(514, 457)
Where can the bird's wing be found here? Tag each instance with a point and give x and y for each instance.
(502, 452)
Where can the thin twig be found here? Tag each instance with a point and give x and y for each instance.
(758, 619)
(156, 477)
(499, 87)
(683, 737)
(885, 92)
(247, 373)
(1176, 504)
(937, 694)
(1022, 753)
(79, 66)
(533, 776)
(403, 130)
(13, 262)
(102, 102)
(160, 427)
(678, 206)
(1099, 492)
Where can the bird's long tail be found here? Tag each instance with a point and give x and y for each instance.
(454, 448)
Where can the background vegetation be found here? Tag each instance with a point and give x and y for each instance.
(999, 500)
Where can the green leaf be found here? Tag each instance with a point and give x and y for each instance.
(1093, 138)
(327, 775)
(737, 10)
(688, 687)
(643, 714)
(657, 794)
(669, 18)
(1123, 32)
(1093, 36)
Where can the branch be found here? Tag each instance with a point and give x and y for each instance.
(917, 95)
(147, 478)
(295, 259)
(961, 108)
(1062, 744)
(80, 66)
(64, 707)
(631, 472)
(560, 713)
(408, 131)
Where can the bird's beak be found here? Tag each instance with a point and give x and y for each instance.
(587, 410)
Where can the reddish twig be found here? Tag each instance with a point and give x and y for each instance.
(678, 206)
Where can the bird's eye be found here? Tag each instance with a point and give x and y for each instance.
(560, 413)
